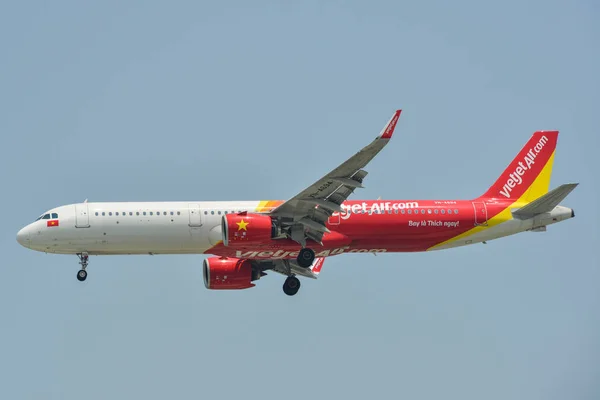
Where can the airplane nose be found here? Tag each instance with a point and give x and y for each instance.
(23, 237)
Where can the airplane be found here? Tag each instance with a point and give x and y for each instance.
(248, 238)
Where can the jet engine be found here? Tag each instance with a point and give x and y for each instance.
(243, 230)
(228, 273)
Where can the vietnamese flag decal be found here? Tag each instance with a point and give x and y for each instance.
(52, 223)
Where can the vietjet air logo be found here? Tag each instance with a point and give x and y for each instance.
(279, 254)
(375, 208)
(515, 178)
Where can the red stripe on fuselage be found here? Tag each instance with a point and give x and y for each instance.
(382, 225)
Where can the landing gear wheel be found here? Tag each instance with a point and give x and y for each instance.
(81, 275)
(291, 286)
(306, 257)
(83, 261)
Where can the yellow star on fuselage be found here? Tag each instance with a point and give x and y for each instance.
(242, 225)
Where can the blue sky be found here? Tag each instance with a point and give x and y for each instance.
(191, 100)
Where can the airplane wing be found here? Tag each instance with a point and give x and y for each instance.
(285, 267)
(304, 216)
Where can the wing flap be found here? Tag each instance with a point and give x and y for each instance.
(287, 267)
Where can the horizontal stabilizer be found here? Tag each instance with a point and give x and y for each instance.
(546, 203)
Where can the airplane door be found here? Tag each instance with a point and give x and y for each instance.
(82, 218)
(480, 213)
(195, 215)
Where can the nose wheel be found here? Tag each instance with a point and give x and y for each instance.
(305, 257)
(83, 261)
(81, 275)
(291, 285)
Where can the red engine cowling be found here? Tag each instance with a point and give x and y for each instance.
(228, 273)
(242, 230)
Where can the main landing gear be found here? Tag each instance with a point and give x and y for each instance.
(291, 285)
(306, 257)
(83, 261)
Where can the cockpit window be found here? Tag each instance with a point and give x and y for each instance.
(46, 216)
(54, 216)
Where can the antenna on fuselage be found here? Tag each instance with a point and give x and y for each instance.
(85, 201)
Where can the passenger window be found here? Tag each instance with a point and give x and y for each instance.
(422, 211)
(219, 213)
(144, 212)
(455, 211)
(110, 213)
(443, 211)
(205, 212)
(178, 213)
(137, 213)
(429, 211)
(164, 213)
(130, 213)
(402, 211)
(117, 213)
(410, 211)
(103, 213)
(151, 213)
(435, 211)
(171, 212)
(212, 213)
(96, 214)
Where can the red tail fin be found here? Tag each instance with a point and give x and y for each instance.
(528, 175)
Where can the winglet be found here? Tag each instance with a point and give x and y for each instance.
(388, 131)
(317, 265)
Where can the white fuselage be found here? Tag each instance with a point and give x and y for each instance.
(132, 228)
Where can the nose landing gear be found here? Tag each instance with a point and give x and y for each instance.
(83, 261)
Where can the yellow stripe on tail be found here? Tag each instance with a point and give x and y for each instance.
(527, 177)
